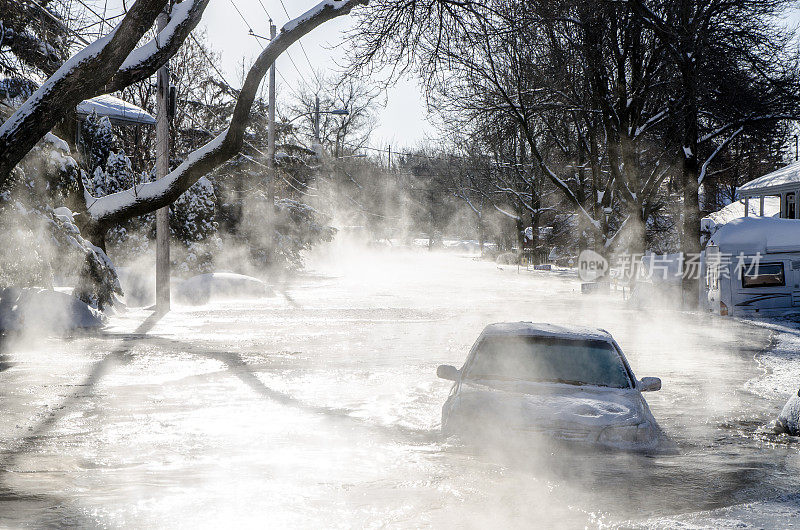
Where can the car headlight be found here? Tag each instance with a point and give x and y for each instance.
(629, 434)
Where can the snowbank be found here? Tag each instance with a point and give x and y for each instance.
(752, 235)
(220, 285)
(45, 310)
(735, 210)
(781, 363)
(789, 418)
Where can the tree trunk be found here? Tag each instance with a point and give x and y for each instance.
(481, 233)
(690, 228)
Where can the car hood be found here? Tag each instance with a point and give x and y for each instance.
(541, 406)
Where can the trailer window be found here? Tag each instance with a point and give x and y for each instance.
(764, 275)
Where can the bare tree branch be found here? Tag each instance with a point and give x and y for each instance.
(149, 197)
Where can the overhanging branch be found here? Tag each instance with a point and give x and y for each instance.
(151, 196)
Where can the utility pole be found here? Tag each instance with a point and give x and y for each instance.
(162, 168)
(318, 144)
(271, 145)
(389, 159)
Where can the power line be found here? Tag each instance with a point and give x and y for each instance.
(93, 24)
(434, 157)
(213, 66)
(302, 48)
(265, 10)
(287, 51)
(288, 85)
(59, 21)
(253, 34)
(242, 17)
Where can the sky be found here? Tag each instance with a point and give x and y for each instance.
(402, 116)
(403, 121)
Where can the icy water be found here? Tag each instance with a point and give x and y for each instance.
(320, 408)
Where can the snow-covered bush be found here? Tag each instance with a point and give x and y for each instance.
(192, 222)
(97, 141)
(97, 280)
(41, 243)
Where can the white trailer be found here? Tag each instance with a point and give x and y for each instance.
(753, 267)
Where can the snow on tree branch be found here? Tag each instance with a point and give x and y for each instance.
(146, 59)
(149, 197)
(704, 169)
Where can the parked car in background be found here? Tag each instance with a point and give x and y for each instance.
(567, 383)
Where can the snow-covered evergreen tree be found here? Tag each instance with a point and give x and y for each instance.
(41, 241)
(192, 221)
(109, 167)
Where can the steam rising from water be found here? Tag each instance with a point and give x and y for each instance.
(325, 412)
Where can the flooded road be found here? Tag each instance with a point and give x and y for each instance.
(320, 408)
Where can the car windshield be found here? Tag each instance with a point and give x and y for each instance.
(577, 362)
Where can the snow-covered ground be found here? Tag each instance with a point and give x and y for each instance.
(320, 408)
(781, 363)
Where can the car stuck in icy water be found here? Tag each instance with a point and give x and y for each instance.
(567, 383)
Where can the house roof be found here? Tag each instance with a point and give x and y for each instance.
(119, 112)
(784, 179)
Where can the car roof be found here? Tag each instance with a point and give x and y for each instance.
(539, 329)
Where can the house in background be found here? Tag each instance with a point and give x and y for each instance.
(783, 183)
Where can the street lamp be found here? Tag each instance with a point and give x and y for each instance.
(316, 114)
(337, 112)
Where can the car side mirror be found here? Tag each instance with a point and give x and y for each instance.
(650, 384)
(445, 371)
